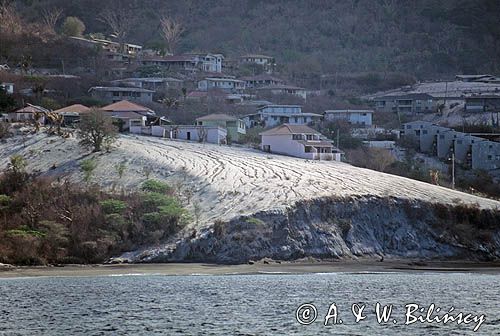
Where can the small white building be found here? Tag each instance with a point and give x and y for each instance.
(299, 141)
(210, 134)
(357, 117)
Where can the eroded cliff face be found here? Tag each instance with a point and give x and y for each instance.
(345, 228)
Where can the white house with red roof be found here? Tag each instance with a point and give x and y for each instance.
(300, 141)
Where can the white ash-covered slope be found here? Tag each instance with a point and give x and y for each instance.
(226, 181)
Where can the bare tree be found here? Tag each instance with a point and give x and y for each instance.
(119, 21)
(172, 31)
(50, 18)
(10, 21)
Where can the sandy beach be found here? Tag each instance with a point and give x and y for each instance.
(268, 267)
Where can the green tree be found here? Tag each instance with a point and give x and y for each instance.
(96, 130)
(73, 26)
(88, 167)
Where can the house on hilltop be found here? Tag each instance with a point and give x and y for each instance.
(129, 114)
(299, 141)
(206, 62)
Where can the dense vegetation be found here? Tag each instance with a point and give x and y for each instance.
(425, 38)
(45, 220)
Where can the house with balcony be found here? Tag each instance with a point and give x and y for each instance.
(262, 80)
(272, 115)
(299, 141)
(227, 84)
(411, 103)
(206, 62)
(482, 103)
(284, 90)
(113, 94)
(355, 117)
(235, 127)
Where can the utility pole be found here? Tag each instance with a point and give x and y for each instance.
(338, 138)
(453, 170)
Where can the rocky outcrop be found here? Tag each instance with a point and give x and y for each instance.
(345, 228)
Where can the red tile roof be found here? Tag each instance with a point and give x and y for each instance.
(126, 106)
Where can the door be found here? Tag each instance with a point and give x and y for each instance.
(189, 135)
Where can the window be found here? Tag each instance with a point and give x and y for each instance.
(296, 119)
(116, 94)
(308, 149)
(309, 137)
(408, 126)
(424, 132)
(490, 157)
(459, 142)
(364, 114)
(296, 136)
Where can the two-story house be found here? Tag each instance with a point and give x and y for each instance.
(411, 103)
(272, 115)
(284, 90)
(261, 80)
(227, 83)
(299, 141)
(187, 62)
(151, 83)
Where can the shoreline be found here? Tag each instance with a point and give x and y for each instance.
(266, 267)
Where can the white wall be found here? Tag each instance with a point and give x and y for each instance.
(283, 144)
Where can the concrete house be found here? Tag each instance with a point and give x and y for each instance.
(210, 134)
(228, 84)
(411, 103)
(284, 90)
(424, 133)
(486, 155)
(356, 117)
(151, 83)
(262, 80)
(267, 62)
(113, 94)
(299, 141)
(463, 148)
(235, 127)
(482, 103)
(272, 115)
